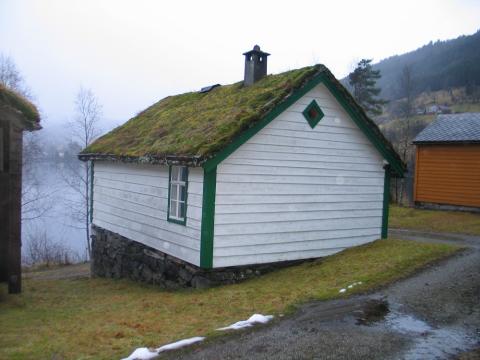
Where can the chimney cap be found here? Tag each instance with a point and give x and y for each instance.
(256, 50)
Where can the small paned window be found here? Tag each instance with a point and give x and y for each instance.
(177, 194)
(313, 114)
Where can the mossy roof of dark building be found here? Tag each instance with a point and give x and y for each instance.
(15, 101)
(198, 125)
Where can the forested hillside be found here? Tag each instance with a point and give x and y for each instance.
(435, 66)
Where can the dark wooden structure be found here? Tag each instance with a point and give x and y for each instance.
(16, 116)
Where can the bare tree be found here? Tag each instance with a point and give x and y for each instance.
(11, 77)
(36, 201)
(84, 129)
(41, 249)
(407, 92)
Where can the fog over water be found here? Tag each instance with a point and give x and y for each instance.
(57, 222)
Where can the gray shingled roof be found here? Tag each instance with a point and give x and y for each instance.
(451, 128)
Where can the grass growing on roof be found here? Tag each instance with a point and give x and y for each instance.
(12, 99)
(199, 123)
(434, 220)
(107, 319)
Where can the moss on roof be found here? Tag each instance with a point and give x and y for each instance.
(11, 99)
(193, 127)
(199, 124)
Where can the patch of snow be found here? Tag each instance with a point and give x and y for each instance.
(181, 343)
(147, 354)
(142, 354)
(254, 319)
(350, 286)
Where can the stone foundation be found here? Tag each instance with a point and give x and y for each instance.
(115, 256)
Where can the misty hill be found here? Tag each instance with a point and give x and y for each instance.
(436, 66)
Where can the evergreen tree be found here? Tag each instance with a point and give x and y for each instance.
(363, 80)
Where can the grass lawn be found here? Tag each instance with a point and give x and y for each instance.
(434, 220)
(107, 319)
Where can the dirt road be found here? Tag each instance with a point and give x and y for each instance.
(433, 315)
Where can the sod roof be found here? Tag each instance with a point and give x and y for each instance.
(193, 127)
(29, 113)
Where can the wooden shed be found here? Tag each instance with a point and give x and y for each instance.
(270, 169)
(447, 170)
(16, 116)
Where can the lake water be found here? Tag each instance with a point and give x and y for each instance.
(57, 223)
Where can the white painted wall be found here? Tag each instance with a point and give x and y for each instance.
(131, 200)
(291, 192)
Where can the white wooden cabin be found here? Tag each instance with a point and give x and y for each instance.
(307, 179)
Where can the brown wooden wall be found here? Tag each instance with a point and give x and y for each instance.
(448, 174)
(10, 205)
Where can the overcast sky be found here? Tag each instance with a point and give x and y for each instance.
(133, 53)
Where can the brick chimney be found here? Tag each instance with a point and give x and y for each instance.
(255, 65)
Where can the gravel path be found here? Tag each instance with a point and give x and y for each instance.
(76, 271)
(433, 315)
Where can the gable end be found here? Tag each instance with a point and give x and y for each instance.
(366, 125)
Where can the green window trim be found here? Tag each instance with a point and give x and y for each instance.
(386, 202)
(174, 219)
(208, 218)
(313, 114)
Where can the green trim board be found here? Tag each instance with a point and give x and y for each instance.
(208, 218)
(386, 202)
(169, 219)
(276, 111)
(313, 114)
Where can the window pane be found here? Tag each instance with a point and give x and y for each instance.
(183, 171)
(173, 208)
(174, 173)
(173, 192)
(182, 210)
(183, 192)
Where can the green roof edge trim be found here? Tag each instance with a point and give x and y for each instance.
(208, 217)
(358, 119)
(396, 164)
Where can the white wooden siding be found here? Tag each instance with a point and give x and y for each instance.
(132, 200)
(293, 192)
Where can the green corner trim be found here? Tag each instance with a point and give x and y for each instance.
(320, 78)
(91, 190)
(313, 114)
(208, 218)
(184, 221)
(386, 202)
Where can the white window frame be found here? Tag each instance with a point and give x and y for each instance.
(176, 187)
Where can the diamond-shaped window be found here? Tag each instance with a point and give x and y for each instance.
(313, 114)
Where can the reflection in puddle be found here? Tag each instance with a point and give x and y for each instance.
(429, 343)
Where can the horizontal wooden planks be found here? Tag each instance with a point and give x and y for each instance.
(293, 192)
(448, 174)
(131, 200)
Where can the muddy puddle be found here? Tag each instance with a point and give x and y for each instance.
(428, 342)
